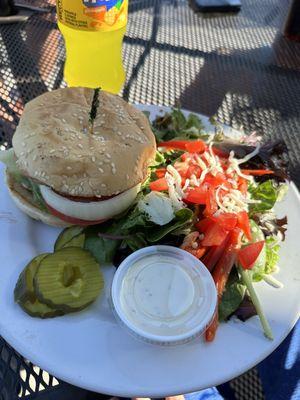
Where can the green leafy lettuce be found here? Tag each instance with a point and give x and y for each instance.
(266, 193)
(272, 254)
(232, 297)
(9, 159)
(175, 125)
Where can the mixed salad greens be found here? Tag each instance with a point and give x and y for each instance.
(213, 197)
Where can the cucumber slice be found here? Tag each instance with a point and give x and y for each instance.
(25, 296)
(69, 279)
(70, 237)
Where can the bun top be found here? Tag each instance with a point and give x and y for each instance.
(53, 143)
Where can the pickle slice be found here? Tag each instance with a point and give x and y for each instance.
(70, 237)
(25, 296)
(24, 290)
(70, 279)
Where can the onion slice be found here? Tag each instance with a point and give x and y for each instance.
(92, 211)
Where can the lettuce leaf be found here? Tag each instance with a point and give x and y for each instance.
(232, 297)
(267, 193)
(272, 254)
(175, 125)
(9, 159)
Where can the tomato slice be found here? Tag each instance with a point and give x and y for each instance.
(249, 254)
(227, 221)
(159, 185)
(72, 220)
(196, 195)
(244, 224)
(196, 146)
(214, 235)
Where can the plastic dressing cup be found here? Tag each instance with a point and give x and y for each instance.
(163, 295)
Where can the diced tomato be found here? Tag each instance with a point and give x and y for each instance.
(219, 179)
(211, 203)
(257, 172)
(249, 254)
(161, 172)
(159, 185)
(244, 224)
(196, 146)
(194, 170)
(204, 224)
(214, 235)
(71, 220)
(242, 185)
(184, 156)
(213, 255)
(227, 221)
(198, 253)
(196, 195)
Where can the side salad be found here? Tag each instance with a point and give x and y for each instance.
(211, 196)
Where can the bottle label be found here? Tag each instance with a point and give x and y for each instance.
(93, 15)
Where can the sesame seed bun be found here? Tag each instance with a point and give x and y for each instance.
(54, 146)
(23, 200)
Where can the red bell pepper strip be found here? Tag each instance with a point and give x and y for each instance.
(250, 253)
(221, 274)
(257, 172)
(196, 146)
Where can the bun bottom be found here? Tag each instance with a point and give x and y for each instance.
(23, 200)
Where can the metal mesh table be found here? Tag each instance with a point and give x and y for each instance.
(237, 66)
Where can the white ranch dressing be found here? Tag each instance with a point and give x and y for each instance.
(159, 296)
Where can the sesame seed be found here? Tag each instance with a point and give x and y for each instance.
(101, 170)
(100, 163)
(22, 153)
(103, 185)
(69, 168)
(74, 115)
(80, 145)
(35, 158)
(108, 155)
(23, 144)
(114, 171)
(67, 129)
(127, 176)
(93, 159)
(63, 120)
(52, 151)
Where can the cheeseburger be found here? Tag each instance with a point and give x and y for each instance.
(69, 166)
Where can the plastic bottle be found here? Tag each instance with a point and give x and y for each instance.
(93, 31)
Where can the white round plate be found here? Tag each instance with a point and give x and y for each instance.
(90, 350)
